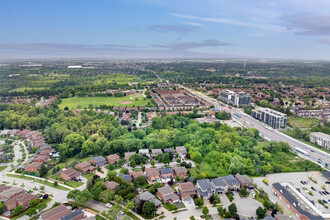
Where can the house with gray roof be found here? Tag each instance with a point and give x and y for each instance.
(126, 177)
(77, 214)
(166, 174)
(205, 188)
(145, 152)
(220, 185)
(147, 196)
(155, 152)
(99, 161)
(232, 182)
(167, 194)
(167, 150)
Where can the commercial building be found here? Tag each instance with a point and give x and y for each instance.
(237, 99)
(271, 117)
(321, 139)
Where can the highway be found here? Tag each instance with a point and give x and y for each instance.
(313, 154)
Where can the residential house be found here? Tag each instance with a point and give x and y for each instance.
(128, 155)
(113, 158)
(40, 158)
(136, 174)
(187, 189)
(220, 185)
(70, 174)
(166, 174)
(180, 172)
(181, 151)
(111, 185)
(145, 152)
(232, 182)
(152, 175)
(85, 167)
(167, 150)
(10, 193)
(55, 213)
(167, 194)
(22, 199)
(33, 167)
(155, 152)
(244, 181)
(205, 188)
(147, 196)
(126, 177)
(99, 161)
(75, 215)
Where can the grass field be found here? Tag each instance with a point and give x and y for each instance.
(3, 167)
(303, 122)
(73, 103)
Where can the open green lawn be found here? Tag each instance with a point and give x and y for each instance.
(303, 122)
(38, 181)
(74, 184)
(88, 176)
(206, 168)
(72, 103)
(2, 168)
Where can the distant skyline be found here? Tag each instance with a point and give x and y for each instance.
(272, 29)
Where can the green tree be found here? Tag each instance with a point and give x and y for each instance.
(130, 205)
(260, 212)
(31, 211)
(73, 194)
(243, 192)
(84, 197)
(153, 163)
(149, 208)
(43, 170)
(17, 210)
(205, 210)
(2, 208)
(199, 201)
(166, 159)
(34, 202)
(232, 209)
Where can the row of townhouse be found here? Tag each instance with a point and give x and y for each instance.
(205, 187)
(63, 212)
(11, 197)
(180, 150)
(164, 175)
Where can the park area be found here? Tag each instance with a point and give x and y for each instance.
(303, 123)
(83, 102)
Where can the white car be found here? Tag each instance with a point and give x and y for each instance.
(121, 212)
(108, 205)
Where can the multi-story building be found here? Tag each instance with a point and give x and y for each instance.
(238, 99)
(271, 117)
(321, 139)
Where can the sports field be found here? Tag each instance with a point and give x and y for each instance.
(126, 101)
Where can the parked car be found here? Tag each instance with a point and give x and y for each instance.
(326, 192)
(108, 205)
(313, 188)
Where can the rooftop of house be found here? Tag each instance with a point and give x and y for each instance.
(73, 214)
(219, 182)
(205, 184)
(111, 185)
(231, 180)
(152, 171)
(164, 170)
(98, 159)
(180, 169)
(55, 213)
(126, 177)
(186, 186)
(113, 157)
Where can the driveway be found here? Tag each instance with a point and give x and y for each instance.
(99, 206)
(246, 206)
(189, 203)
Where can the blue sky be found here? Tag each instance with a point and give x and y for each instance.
(265, 29)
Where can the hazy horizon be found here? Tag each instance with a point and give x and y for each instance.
(154, 29)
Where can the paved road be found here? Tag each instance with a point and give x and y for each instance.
(315, 155)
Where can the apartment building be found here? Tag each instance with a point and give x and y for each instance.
(271, 117)
(235, 98)
(320, 139)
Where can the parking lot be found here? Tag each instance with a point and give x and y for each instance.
(305, 187)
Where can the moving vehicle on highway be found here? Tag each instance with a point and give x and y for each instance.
(237, 115)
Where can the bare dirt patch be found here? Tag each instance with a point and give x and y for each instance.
(126, 102)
